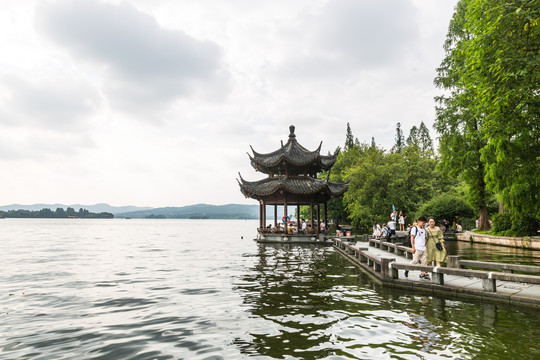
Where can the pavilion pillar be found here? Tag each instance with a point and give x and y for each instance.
(264, 215)
(260, 214)
(326, 214)
(275, 216)
(318, 218)
(311, 210)
(298, 216)
(285, 214)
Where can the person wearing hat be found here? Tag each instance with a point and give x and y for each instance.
(418, 244)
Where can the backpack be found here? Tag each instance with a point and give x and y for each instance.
(408, 242)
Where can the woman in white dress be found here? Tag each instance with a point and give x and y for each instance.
(376, 230)
(401, 221)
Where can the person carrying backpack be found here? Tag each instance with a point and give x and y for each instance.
(418, 244)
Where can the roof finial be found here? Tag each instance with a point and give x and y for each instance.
(291, 129)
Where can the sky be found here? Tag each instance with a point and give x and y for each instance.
(156, 102)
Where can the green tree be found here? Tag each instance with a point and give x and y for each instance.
(492, 73)
(349, 139)
(413, 136)
(399, 139)
(424, 139)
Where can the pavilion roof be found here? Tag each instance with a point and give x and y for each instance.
(292, 153)
(304, 186)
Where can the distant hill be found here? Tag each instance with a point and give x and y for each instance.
(97, 208)
(198, 211)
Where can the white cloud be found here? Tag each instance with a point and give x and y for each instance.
(145, 64)
(210, 78)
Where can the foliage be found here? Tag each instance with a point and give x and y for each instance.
(446, 206)
(400, 139)
(502, 222)
(492, 112)
(349, 139)
(380, 179)
(506, 225)
(59, 213)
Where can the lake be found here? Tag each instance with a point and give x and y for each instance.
(203, 289)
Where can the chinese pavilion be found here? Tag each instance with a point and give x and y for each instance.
(292, 181)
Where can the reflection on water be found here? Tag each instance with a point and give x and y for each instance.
(309, 303)
(183, 289)
(484, 252)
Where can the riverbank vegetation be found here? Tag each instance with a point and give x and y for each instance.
(487, 162)
(59, 213)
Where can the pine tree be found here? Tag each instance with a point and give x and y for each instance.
(413, 136)
(400, 138)
(424, 139)
(349, 139)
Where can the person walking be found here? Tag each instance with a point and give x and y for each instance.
(435, 252)
(392, 226)
(401, 221)
(418, 244)
(376, 230)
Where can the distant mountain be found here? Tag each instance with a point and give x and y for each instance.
(97, 208)
(198, 211)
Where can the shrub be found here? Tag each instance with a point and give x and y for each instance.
(508, 224)
(450, 207)
(502, 222)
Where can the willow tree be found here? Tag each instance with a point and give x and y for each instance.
(488, 122)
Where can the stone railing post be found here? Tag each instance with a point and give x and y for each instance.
(385, 267)
(453, 261)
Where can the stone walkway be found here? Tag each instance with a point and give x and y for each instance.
(461, 282)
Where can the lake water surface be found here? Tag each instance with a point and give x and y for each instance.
(203, 289)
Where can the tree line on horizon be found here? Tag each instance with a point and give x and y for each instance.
(59, 213)
(487, 165)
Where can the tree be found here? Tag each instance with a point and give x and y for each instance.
(349, 139)
(424, 139)
(400, 138)
(446, 206)
(413, 136)
(492, 71)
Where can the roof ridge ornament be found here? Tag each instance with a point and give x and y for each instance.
(291, 129)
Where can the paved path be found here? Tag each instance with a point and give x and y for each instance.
(503, 287)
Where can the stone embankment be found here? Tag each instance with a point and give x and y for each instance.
(526, 242)
(386, 262)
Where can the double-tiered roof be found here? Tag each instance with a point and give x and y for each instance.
(292, 171)
(292, 159)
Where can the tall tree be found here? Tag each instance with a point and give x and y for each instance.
(413, 136)
(399, 139)
(491, 115)
(424, 139)
(461, 139)
(349, 139)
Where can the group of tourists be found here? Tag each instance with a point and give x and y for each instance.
(389, 228)
(427, 241)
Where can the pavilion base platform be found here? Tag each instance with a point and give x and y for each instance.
(294, 238)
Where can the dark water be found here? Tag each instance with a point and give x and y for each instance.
(188, 289)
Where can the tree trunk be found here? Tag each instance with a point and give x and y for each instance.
(483, 221)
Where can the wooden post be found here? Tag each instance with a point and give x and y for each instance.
(311, 210)
(298, 218)
(326, 215)
(275, 216)
(318, 218)
(260, 214)
(264, 215)
(285, 214)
